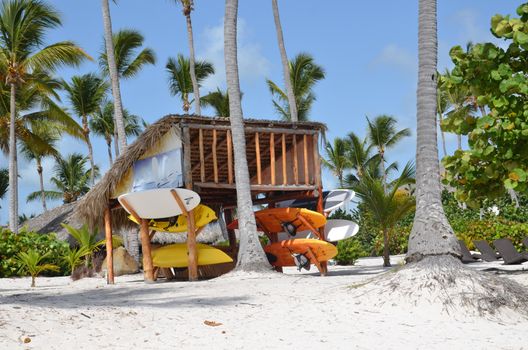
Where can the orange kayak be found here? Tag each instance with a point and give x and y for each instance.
(280, 253)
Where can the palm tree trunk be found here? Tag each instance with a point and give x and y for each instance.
(250, 256)
(386, 255)
(86, 133)
(41, 179)
(382, 169)
(459, 141)
(285, 64)
(13, 171)
(440, 118)
(109, 148)
(431, 233)
(196, 89)
(114, 77)
(32, 281)
(116, 142)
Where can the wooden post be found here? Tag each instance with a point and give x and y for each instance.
(272, 157)
(191, 238)
(310, 226)
(317, 161)
(257, 151)
(295, 161)
(202, 161)
(284, 168)
(229, 158)
(305, 149)
(187, 169)
(148, 268)
(215, 159)
(109, 247)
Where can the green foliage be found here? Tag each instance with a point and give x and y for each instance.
(304, 73)
(73, 257)
(44, 244)
(31, 263)
(491, 230)
(86, 239)
(497, 83)
(349, 250)
(4, 182)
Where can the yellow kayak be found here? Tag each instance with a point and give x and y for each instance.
(175, 255)
(202, 216)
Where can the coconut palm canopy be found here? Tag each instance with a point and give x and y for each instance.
(92, 206)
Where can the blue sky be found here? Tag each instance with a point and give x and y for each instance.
(367, 48)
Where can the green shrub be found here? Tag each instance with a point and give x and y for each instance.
(491, 230)
(349, 250)
(43, 244)
(398, 241)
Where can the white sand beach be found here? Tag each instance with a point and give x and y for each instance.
(274, 311)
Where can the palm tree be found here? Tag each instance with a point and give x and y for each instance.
(285, 64)
(382, 134)
(102, 124)
(304, 75)
(23, 26)
(431, 234)
(359, 153)
(250, 256)
(50, 134)
(219, 101)
(31, 262)
(129, 61)
(187, 7)
(387, 202)
(86, 239)
(85, 93)
(180, 83)
(337, 161)
(71, 178)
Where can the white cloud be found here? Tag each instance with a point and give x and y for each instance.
(394, 56)
(252, 64)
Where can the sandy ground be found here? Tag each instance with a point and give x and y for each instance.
(302, 311)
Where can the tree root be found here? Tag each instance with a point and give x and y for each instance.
(444, 282)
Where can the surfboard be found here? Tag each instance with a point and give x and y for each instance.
(281, 252)
(175, 255)
(158, 203)
(177, 224)
(332, 200)
(273, 220)
(335, 230)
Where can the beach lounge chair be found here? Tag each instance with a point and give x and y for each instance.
(467, 256)
(488, 254)
(510, 255)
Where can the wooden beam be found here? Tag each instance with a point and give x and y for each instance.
(191, 238)
(131, 210)
(272, 158)
(284, 166)
(109, 247)
(257, 151)
(310, 226)
(148, 268)
(257, 188)
(305, 152)
(317, 161)
(209, 155)
(229, 157)
(215, 159)
(251, 129)
(187, 170)
(295, 161)
(202, 161)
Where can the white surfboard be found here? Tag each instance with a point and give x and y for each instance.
(332, 200)
(159, 203)
(337, 230)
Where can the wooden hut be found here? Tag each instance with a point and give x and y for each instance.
(283, 160)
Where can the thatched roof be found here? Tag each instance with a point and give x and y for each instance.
(92, 206)
(50, 221)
